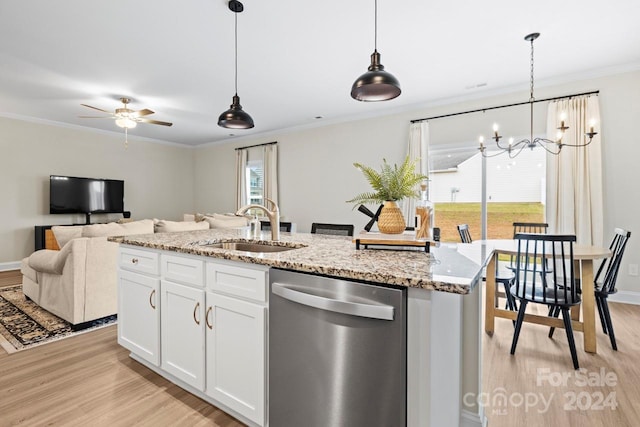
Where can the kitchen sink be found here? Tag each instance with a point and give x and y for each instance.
(250, 247)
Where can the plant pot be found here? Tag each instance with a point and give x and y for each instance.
(391, 219)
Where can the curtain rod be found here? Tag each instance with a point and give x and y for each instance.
(505, 106)
(257, 145)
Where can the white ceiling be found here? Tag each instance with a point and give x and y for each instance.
(297, 59)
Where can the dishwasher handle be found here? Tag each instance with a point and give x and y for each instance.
(382, 312)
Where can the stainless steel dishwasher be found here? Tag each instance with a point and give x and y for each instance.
(337, 352)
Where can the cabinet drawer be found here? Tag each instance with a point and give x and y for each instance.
(244, 282)
(139, 261)
(182, 270)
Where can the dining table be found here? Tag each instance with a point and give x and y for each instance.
(584, 257)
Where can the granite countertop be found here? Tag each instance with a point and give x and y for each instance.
(448, 268)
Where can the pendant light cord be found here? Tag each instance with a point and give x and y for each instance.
(236, 48)
(531, 98)
(375, 27)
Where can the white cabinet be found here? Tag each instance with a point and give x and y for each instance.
(236, 354)
(139, 315)
(182, 332)
(202, 323)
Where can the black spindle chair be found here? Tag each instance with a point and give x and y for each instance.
(503, 276)
(285, 227)
(549, 256)
(605, 282)
(333, 229)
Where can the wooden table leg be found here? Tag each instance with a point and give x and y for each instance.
(588, 307)
(575, 310)
(490, 291)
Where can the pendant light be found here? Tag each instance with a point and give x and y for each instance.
(235, 117)
(376, 84)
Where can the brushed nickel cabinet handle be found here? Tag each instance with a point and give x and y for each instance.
(206, 318)
(134, 260)
(195, 309)
(151, 295)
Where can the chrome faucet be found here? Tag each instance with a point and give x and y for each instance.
(274, 217)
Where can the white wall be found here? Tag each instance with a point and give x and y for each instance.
(158, 178)
(317, 176)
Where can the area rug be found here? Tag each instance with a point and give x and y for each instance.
(24, 324)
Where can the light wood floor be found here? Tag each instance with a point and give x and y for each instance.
(90, 380)
(535, 371)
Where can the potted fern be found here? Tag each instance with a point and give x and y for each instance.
(390, 185)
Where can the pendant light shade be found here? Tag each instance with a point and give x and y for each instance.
(376, 84)
(235, 117)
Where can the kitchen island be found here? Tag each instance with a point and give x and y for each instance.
(443, 307)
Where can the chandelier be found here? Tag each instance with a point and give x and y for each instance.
(553, 147)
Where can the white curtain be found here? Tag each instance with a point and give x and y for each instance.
(241, 184)
(271, 173)
(574, 177)
(418, 149)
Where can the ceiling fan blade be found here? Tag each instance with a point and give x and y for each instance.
(95, 117)
(154, 122)
(96, 108)
(144, 112)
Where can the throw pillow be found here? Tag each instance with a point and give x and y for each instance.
(229, 222)
(144, 226)
(164, 226)
(64, 233)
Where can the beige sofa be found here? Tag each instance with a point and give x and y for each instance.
(79, 282)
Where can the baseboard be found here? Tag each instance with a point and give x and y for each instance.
(626, 297)
(7, 266)
(470, 419)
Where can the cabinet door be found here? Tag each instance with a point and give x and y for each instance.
(183, 332)
(236, 350)
(139, 315)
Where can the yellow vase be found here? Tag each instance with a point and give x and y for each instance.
(391, 220)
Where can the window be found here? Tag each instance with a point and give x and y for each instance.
(515, 190)
(257, 176)
(255, 181)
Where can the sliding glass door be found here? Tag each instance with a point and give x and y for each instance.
(515, 191)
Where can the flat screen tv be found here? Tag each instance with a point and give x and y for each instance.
(70, 195)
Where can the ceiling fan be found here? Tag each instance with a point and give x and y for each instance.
(126, 117)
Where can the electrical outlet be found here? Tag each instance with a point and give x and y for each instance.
(633, 269)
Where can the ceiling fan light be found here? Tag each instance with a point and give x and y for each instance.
(235, 117)
(376, 84)
(127, 123)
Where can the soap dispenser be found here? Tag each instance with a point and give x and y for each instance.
(254, 227)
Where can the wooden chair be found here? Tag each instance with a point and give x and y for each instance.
(333, 229)
(465, 235)
(559, 292)
(606, 285)
(605, 282)
(284, 226)
(530, 227)
(503, 276)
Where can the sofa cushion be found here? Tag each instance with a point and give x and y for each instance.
(144, 226)
(164, 226)
(226, 222)
(64, 233)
